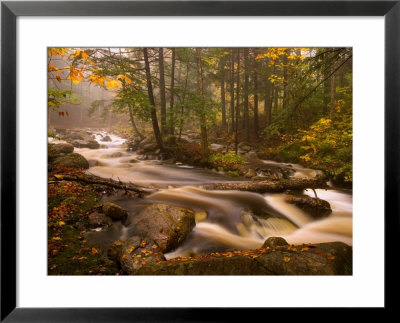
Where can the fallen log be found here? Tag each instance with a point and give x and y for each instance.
(270, 186)
(90, 179)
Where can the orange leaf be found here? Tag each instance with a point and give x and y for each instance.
(286, 259)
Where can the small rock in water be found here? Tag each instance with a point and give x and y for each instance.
(275, 242)
(114, 211)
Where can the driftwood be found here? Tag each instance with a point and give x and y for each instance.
(270, 186)
(90, 179)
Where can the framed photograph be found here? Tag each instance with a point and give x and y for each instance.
(161, 159)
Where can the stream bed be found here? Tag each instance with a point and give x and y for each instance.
(225, 220)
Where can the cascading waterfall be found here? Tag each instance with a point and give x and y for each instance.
(234, 219)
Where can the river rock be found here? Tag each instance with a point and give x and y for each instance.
(274, 242)
(167, 225)
(97, 219)
(133, 161)
(116, 154)
(134, 253)
(73, 160)
(114, 211)
(334, 258)
(106, 138)
(56, 150)
(92, 144)
(315, 207)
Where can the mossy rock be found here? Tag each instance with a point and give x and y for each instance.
(134, 253)
(73, 160)
(167, 225)
(314, 207)
(114, 211)
(97, 220)
(274, 242)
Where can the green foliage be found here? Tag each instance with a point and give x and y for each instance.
(228, 161)
(57, 98)
(325, 145)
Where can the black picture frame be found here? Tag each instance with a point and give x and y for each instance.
(10, 10)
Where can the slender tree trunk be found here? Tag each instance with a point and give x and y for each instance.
(255, 76)
(269, 90)
(246, 94)
(183, 101)
(162, 92)
(222, 71)
(138, 133)
(232, 129)
(285, 79)
(171, 104)
(333, 95)
(237, 101)
(203, 125)
(154, 121)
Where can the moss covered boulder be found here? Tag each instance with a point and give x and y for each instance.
(73, 160)
(315, 207)
(167, 225)
(56, 150)
(114, 211)
(134, 253)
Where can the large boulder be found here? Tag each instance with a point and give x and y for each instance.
(92, 144)
(56, 150)
(114, 211)
(134, 253)
(315, 207)
(106, 138)
(167, 225)
(73, 160)
(333, 258)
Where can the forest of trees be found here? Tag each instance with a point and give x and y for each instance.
(292, 104)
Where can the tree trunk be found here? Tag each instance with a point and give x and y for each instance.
(203, 125)
(232, 128)
(183, 101)
(237, 101)
(154, 121)
(246, 94)
(285, 80)
(269, 90)
(162, 92)
(333, 95)
(255, 76)
(222, 71)
(135, 129)
(271, 186)
(171, 104)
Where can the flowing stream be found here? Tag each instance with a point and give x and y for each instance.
(224, 219)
